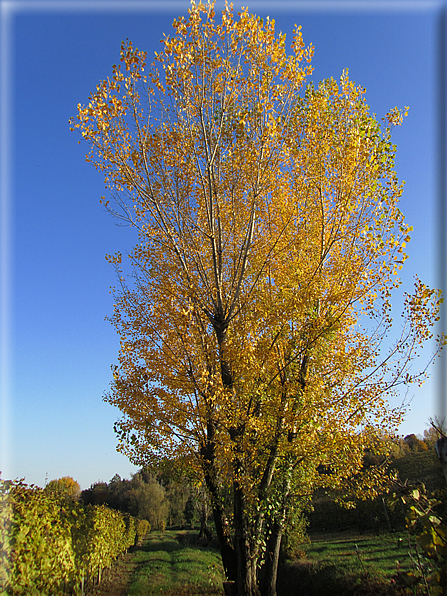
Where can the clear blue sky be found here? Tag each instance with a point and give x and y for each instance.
(57, 348)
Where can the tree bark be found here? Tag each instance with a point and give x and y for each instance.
(207, 452)
(441, 450)
(272, 560)
(246, 564)
(273, 546)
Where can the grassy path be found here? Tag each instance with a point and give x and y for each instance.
(167, 563)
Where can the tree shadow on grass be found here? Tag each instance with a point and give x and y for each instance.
(306, 578)
(166, 545)
(160, 542)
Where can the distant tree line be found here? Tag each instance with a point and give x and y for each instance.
(142, 496)
(166, 498)
(163, 498)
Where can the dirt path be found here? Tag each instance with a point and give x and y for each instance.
(171, 563)
(117, 580)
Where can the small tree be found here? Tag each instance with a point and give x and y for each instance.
(189, 512)
(414, 443)
(150, 501)
(65, 487)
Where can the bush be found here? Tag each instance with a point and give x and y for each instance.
(143, 527)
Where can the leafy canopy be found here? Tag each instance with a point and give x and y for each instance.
(269, 242)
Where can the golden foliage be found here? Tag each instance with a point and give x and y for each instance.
(270, 240)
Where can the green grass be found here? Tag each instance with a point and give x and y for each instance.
(378, 554)
(363, 565)
(171, 564)
(168, 565)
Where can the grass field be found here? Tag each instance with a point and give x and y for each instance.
(355, 565)
(377, 554)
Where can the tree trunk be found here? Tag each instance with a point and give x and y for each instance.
(226, 549)
(246, 559)
(272, 560)
(207, 452)
(204, 532)
(273, 545)
(441, 450)
(246, 579)
(387, 517)
(244, 556)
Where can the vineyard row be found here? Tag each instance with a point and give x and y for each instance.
(50, 545)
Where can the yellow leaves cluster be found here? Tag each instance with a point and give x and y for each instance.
(422, 306)
(268, 229)
(395, 116)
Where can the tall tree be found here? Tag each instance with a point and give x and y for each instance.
(270, 240)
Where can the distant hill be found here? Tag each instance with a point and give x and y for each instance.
(421, 466)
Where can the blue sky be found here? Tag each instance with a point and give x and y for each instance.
(57, 348)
